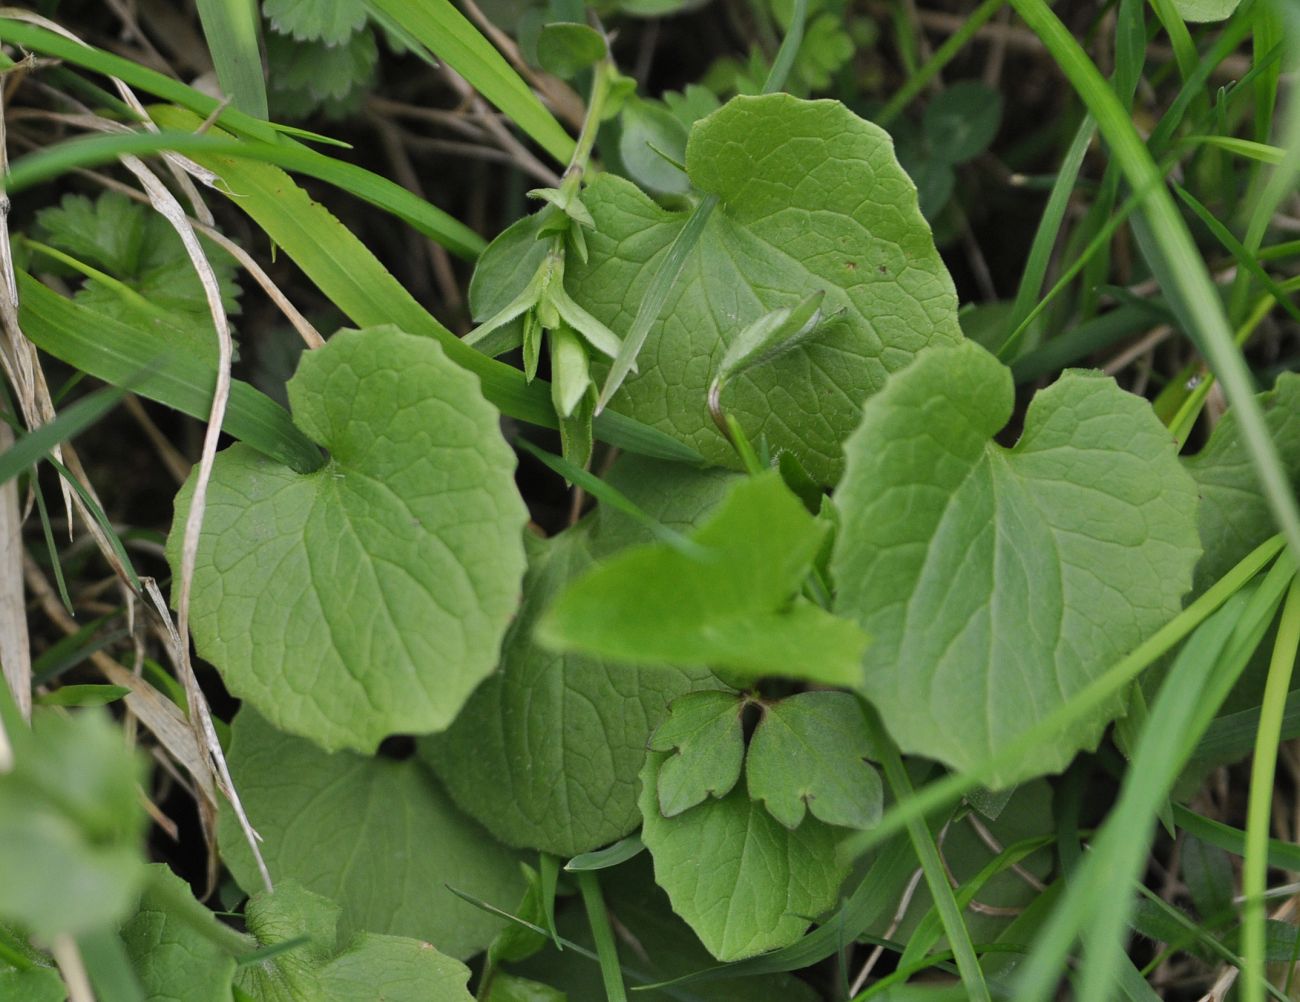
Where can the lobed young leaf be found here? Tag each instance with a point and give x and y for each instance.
(369, 597)
(996, 582)
(706, 741)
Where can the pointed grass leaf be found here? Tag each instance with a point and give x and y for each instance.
(547, 751)
(809, 753)
(728, 606)
(741, 880)
(810, 198)
(996, 582)
(376, 836)
(1234, 516)
(706, 739)
(771, 336)
(370, 597)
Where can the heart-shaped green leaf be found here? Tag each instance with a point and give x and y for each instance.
(809, 752)
(811, 200)
(370, 596)
(704, 733)
(996, 583)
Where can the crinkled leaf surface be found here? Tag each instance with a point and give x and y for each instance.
(811, 199)
(375, 835)
(547, 751)
(328, 21)
(808, 752)
(173, 959)
(71, 826)
(369, 597)
(34, 984)
(1234, 517)
(307, 76)
(996, 583)
(387, 968)
(728, 605)
(135, 245)
(705, 735)
(741, 880)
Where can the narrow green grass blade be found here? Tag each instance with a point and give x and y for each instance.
(56, 565)
(1259, 809)
(109, 967)
(603, 934)
(442, 29)
(1078, 343)
(1237, 249)
(785, 55)
(936, 874)
(1174, 258)
(1248, 148)
(942, 56)
(233, 32)
(75, 419)
(115, 353)
(1282, 855)
(1091, 905)
(612, 855)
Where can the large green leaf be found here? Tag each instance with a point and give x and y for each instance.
(1234, 517)
(546, 752)
(375, 835)
(369, 597)
(71, 826)
(740, 879)
(728, 605)
(812, 199)
(996, 582)
(387, 968)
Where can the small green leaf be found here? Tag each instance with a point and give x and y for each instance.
(566, 49)
(376, 836)
(651, 140)
(743, 882)
(82, 695)
(771, 336)
(732, 606)
(370, 597)
(310, 76)
(997, 583)
(174, 944)
(71, 826)
(1206, 10)
(704, 733)
(509, 988)
(962, 121)
(330, 21)
(809, 752)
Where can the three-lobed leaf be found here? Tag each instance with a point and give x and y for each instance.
(731, 604)
(706, 739)
(996, 583)
(808, 754)
(369, 597)
(811, 199)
